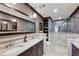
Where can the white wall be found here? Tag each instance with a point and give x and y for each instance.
(50, 30)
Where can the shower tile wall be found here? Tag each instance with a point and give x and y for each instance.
(73, 25)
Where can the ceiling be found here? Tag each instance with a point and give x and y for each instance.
(64, 10)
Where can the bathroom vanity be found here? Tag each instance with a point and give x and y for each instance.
(36, 50)
(15, 45)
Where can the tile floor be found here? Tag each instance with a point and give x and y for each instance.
(57, 46)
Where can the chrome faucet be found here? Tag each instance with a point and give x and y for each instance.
(25, 38)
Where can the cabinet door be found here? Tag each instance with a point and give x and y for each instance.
(34, 50)
(40, 48)
(39, 51)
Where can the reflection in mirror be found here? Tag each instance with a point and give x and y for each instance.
(6, 25)
(14, 26)
(40, 26)
(0, 26)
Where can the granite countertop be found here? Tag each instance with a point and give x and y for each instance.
(76, 44)
(21, 47)
(74, 41)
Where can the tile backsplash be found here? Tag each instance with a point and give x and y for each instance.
(10, 41)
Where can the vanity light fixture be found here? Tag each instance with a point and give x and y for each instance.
(55, 10)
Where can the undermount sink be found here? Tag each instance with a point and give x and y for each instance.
(20, 44)
(17, 46)
(11, 51)
(14, 49)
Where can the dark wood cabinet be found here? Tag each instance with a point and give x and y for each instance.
(26, 53)
(75, 50)
(40, 49)
(36, 50)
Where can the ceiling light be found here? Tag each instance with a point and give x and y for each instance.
(59, 18)
(43, 5)
(55, 10)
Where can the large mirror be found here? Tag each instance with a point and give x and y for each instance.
(14, 23)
